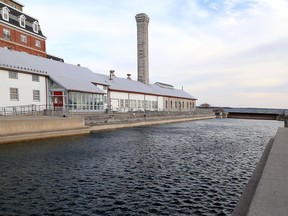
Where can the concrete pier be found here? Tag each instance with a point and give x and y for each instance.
(267, 192)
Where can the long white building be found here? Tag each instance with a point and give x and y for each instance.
(27, 79)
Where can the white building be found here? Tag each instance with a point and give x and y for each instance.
(28, 79)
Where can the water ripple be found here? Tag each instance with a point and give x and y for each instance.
(193, 168)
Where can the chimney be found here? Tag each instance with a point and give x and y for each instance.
(112, 74)
(129, 76)
(142, 21)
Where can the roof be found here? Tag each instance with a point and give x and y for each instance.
(14, 14)
(71, 77)
(79, 78)
(127, 85)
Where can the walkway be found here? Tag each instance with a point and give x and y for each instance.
(271, 194)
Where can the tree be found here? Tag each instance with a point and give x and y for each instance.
(205, 105)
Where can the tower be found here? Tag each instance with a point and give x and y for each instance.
(142, 47)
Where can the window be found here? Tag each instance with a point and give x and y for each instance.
(35, 27)
(14, 94)
(22, 19)
(121, 102)
(104, 88)
(126, 103)
(6, 34)
(36, 95)
(37, 43)
(5, 13)
(23, 38)
(35, 78)
(13, 75)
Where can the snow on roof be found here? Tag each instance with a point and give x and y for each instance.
(69, 76)
(127, 85)
(79, 78)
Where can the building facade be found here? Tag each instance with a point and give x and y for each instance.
(21, 89)
(19, 31)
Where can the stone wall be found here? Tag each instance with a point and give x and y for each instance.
(121, 118)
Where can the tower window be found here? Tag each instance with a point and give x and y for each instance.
(37, 43)
(23, 38)
(22, 19)
(6, 34)
(5, 13)
(35, 27)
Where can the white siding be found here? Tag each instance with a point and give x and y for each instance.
(125, 101)
(25, 87)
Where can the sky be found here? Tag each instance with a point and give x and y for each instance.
(223, 52)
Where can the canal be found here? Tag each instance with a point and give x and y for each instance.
(191, 168)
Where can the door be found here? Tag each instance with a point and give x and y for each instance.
(58, 99)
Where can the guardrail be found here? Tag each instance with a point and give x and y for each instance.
(46, 110)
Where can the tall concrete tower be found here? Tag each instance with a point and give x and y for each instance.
(142, 47)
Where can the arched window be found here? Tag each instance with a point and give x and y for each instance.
(5, 13)
(35, 27)
(171, 104)
(166, 104)
(22, 20)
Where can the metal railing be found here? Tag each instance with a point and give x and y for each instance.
(46, 110)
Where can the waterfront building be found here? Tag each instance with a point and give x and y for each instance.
(79, 89)
(20, 31)
(66, 85)
(57, 85)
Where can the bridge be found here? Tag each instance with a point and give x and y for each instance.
(256, 113)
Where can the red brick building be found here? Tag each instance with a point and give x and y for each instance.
(19, 31)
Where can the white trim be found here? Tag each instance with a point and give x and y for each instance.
(5, 11)
(22, 18)
(35, 27)
(16, 27)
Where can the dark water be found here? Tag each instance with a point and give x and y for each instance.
(194, 168)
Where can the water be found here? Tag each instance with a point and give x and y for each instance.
(193, 168)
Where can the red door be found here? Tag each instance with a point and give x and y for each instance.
(58, 99)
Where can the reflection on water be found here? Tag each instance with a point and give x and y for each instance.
(194, 168)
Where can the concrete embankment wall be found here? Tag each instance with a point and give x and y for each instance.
(28, 128)
(145, 123)
(21, 129)
(266, 193)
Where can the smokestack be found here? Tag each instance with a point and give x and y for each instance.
(129, 76)
(142, 47)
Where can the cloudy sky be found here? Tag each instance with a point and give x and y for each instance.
(223, 52)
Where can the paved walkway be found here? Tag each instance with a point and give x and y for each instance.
(271, 195)
(267, 192)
